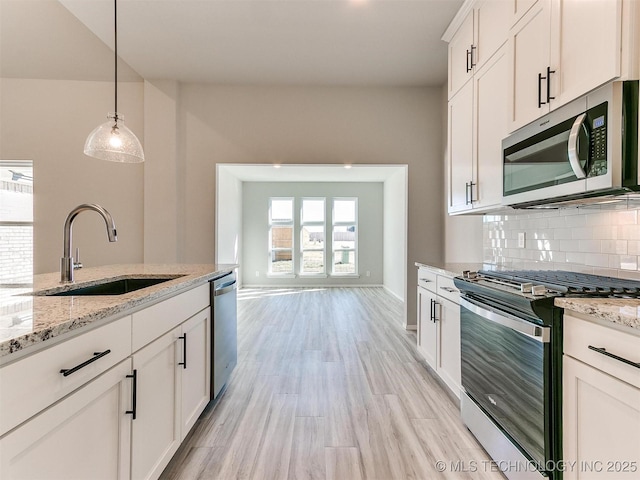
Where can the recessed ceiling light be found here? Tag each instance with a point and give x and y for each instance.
(347, 166)
(276, 165)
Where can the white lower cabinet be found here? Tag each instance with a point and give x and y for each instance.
(155, 435)
(195, 369)
(601, 424)
(439, 327)
(114, 422)
(601, 401)
(85, 435)
(172, 376)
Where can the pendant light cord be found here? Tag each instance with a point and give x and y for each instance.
(115, 37)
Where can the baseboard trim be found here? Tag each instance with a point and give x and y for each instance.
(393, 293)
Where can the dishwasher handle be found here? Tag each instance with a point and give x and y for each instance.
(224, 288)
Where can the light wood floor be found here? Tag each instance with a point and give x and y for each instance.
(328, 386)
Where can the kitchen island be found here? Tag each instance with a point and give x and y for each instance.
(117, 379)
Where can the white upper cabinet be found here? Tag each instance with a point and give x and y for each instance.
(460, 55)
(479, 29)
(587, 38)
(520, 7)
(460, 141)
(529, 58)
(562, 49)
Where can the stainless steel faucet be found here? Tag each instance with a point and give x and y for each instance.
(67, 264)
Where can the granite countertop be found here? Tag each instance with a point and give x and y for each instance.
(28, 320)
(455, 269)
(622, 311)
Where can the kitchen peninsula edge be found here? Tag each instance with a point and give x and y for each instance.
(29, 322)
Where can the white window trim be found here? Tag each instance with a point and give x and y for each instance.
(316, 223)
(357, 232)
(288, 223)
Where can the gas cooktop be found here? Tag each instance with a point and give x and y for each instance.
(543, 283)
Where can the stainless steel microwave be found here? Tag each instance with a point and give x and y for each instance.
(576, 154)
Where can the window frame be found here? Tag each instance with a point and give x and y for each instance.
(323, 224)
(271, 249)
(355, 248)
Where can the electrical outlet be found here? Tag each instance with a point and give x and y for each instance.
(257, 273)
(368, 273)
(521, 240)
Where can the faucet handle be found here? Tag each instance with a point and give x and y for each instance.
(76, 263)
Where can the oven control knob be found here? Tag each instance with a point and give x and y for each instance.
(538, 290)
(526, 287)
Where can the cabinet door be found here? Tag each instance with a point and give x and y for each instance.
(601, 431)
(85, 435)
(427, 328)
(585, 46)
(156, 428)
(492, 22)
(490, 83)
(449, 344)
(195, 368)
(460, 142)
(520, 7)
(460, 55)
(529, 42)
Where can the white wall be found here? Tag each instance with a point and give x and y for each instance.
(256, 229)
(394, 257)
(48, 121)
(229, 218)
(306, 125)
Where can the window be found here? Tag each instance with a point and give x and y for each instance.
(312, 236)
(16, 222)
(344, 236)
(281, 236)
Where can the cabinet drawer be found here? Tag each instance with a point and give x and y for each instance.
(152, 322)
(447, 289)
(35, 382)
(427, 279)
(579, 334)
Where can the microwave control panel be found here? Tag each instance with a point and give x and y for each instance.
(597, 126)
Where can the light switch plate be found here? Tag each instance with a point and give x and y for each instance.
(520, 239)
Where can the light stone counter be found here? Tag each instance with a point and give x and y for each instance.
(621, 311)
(455, 269)
(27, 320)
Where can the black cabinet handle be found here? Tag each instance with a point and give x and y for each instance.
(431, 309)
(466, 193)
(134, 395)
(468, 58)
(548, 77)
(603, 351)
(540, 102)
(96, 355)
(184, 351)
(471, 184)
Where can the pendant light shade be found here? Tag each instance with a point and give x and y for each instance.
(112, 140)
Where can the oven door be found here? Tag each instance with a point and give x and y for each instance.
(506, 372)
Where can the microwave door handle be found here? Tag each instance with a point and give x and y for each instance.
(572, 149)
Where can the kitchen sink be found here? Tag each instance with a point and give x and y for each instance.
(113, 287)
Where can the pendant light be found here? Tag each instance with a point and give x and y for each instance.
(112, 140)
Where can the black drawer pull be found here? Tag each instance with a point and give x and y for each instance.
(96, 355)
(603, 351)
(134, 395)
(184, 352)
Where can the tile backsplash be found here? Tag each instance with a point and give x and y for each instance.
(589, 240)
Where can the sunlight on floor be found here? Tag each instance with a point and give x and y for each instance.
(253, 293)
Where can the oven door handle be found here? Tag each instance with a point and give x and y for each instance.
(531, 330)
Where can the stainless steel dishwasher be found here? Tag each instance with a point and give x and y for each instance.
(224, 332)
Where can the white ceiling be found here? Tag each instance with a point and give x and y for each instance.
(311, 173)
(278, 42)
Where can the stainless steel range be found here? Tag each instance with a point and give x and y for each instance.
(511, 352)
